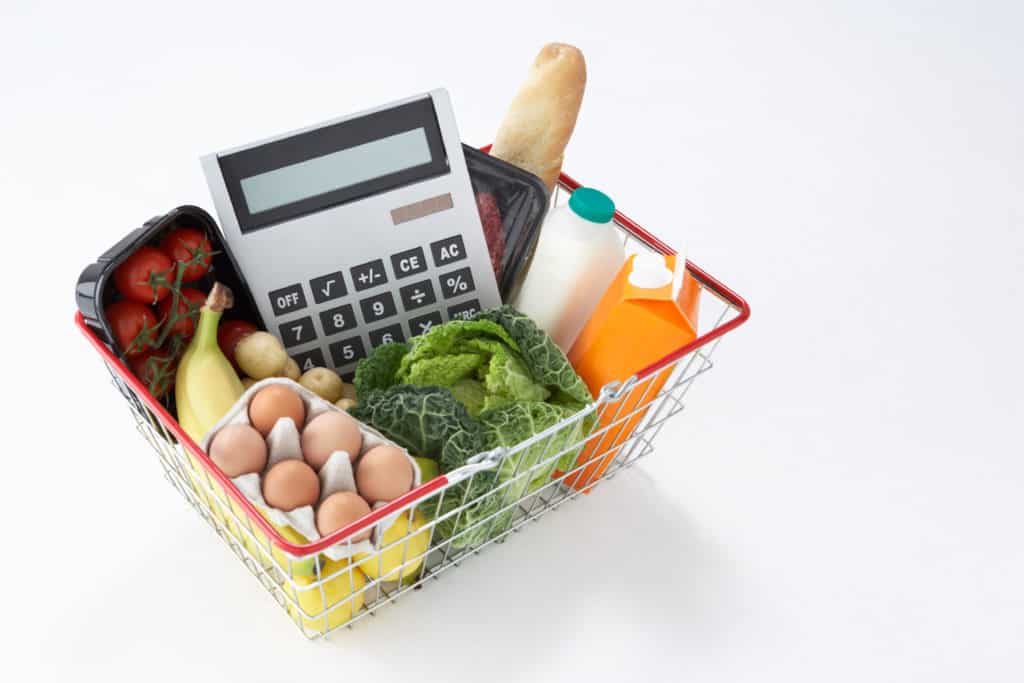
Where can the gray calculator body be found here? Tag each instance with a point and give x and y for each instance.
(356, 232)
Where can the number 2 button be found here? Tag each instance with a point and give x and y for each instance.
(297, 332)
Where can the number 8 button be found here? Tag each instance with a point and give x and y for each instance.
(338, 319)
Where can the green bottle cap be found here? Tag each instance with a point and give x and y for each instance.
(594, 205)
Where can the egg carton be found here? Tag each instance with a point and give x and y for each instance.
(337, 474)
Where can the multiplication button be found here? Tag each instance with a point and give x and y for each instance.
(378, 307)
(369, 274)
(347, 351)
(287, 299)
(417, 295)
(308, 360)
(424, 323)
(327, 287)
(295, 332)
(386, 335)
(409, 262)
(335, 320)
(465, 310)
(457, 282)
(448, 250)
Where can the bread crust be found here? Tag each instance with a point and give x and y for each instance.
(543, 113)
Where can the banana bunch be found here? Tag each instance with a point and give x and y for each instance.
(206, 385)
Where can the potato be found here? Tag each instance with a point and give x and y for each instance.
(348, 391)
(323, 382)
(248, 382)
(291, 370)
(346, 403)
(260, 355)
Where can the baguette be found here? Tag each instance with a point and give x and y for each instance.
(543, 113)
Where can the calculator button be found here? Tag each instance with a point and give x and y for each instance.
(448, 250)
(409, 262)
(295, 332)
(386, 335)
(308, 360)
(347, 351)
(424, 323)
(335, 320)
(417, 295)
(369, 274)
(287, 299)
(464, 311)
(378, 307)
(327, 287)
(457, 282)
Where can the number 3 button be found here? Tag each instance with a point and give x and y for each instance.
(297, 332)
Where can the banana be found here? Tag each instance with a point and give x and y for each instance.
(206, 385)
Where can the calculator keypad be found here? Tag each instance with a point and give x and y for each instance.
(350, 325)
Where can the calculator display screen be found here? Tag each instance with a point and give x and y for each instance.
(334, 164)
(336, 170)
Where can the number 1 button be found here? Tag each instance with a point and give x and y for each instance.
(297, 332)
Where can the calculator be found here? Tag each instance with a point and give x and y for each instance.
(356, 232)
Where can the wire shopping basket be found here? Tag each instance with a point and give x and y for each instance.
(436, 525)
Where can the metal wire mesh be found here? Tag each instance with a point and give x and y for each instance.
(471, 512)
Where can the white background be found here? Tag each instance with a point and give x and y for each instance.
(842, 501)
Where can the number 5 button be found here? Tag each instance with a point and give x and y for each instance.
(297, 332)
(338, 319)
(347, 351)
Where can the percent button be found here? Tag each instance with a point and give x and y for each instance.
(457, 282)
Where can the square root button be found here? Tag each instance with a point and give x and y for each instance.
(287, 299)
(448, 250)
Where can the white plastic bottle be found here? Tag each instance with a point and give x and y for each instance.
(578, 254)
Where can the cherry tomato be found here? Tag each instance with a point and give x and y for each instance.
(185, 244)
(137, 278)
(134, 326)
(189, 303)
(230, 333)
(156, 371)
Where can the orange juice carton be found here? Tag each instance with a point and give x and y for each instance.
(649, 311)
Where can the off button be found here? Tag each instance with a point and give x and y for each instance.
(287, 299)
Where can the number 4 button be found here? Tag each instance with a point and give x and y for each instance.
(308, 360)
(297, 332)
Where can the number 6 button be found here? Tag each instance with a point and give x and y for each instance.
(378, 307)
(338, 319)
(297, 332)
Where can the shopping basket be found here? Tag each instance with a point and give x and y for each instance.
(453, 515)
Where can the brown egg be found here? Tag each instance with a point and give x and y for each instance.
(274, 402)
(329, 432)
(383, 473)
(238, 449)
(340, 509)
(291, 484)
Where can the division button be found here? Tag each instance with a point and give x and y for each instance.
(369, 274)
(424, 323)
(335, 320)
(456, 283)
(448, 250)
(417, 295)
(327, 287)
(386, 335)
(287, 299)
(295, 332)
(465, 310)
(308, 360)
(409, 262)
(347, 351)
(378, 307)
